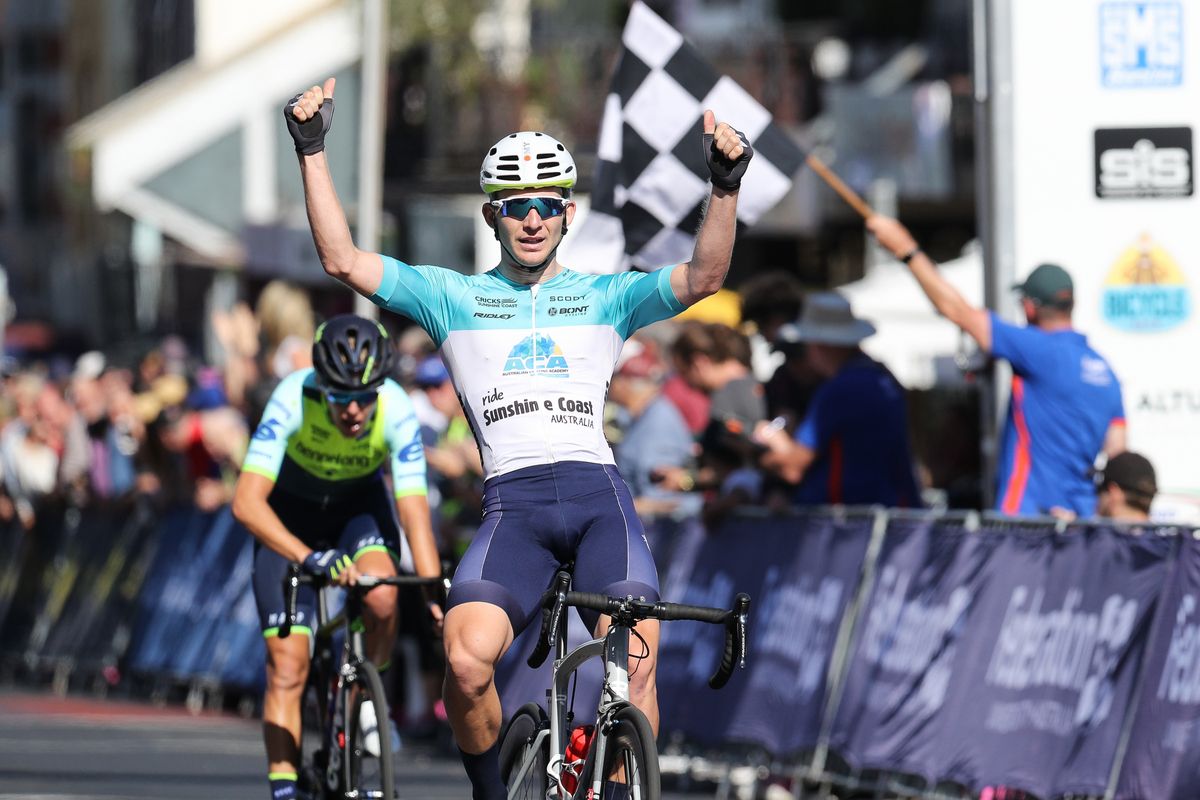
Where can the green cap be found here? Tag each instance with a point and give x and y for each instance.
(1048, 285)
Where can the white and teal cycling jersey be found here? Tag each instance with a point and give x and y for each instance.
(298, 446)
(531, 364)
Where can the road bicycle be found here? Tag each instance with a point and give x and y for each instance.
(340, 765)
(538, 760)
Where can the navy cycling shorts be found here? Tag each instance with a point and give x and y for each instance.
(539, 518)
(359, 524)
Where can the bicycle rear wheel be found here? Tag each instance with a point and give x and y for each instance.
(630, 757)
(371, 777)
(523, 756)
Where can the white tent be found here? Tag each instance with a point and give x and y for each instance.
(911, 339)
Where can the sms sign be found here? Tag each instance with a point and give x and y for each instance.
(1141, 44)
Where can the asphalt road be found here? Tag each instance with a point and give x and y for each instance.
(55, 748)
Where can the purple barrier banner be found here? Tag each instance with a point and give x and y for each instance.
(1063, 624)
(801, 572)
(908, 644)
(1007, 657)
(1163, 761)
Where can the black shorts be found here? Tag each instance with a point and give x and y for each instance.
(363, 523)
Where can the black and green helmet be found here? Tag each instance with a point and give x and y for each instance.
(351, 353)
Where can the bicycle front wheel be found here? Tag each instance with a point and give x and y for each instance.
(371, 777)
(630, 757)
(524, 753)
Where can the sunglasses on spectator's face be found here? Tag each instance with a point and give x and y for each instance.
(519, 207)
(346, 398)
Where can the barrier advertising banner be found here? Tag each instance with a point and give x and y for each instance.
(801, 573)
(1164, 752)
(1046, 677)
(795, 620)
(907, 651)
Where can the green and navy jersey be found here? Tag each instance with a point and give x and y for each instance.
(531, 364)
(298, 446)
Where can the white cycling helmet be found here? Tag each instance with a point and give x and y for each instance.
(527, 160)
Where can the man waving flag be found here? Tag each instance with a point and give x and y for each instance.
(651, 180)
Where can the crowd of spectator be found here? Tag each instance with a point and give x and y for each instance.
(785, 409)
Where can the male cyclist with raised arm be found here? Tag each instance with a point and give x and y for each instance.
(312, 490)
(530, 346)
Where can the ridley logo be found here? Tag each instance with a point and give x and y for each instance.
(1143, 163)
(483, 315)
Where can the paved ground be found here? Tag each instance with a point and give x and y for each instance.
(78, 749)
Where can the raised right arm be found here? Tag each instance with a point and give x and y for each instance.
(360, 270)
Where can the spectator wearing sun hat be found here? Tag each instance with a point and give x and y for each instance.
(853, 446)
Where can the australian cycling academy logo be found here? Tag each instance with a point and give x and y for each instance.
(538, 354)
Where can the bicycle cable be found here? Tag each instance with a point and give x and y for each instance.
(638, 659)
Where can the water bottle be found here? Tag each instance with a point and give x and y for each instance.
(577, 749)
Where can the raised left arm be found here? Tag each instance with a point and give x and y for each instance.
(727, 153)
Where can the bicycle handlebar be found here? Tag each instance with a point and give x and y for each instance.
(296, 578)
(734, 619)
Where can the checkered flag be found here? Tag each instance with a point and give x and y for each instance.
(651, 181)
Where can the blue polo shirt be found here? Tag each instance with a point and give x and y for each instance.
(857, 424)
(1064, 398)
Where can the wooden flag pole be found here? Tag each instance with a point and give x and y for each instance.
(845, 192)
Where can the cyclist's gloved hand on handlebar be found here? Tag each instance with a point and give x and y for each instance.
(332, 563)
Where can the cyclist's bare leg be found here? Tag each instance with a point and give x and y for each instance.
(476, 636)
(379, 613)
(643, 688)
(287, 672)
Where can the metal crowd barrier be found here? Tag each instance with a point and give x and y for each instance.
(892, 654)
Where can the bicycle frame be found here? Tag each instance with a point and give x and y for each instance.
(614, 647)
(337, 771)
(613, 711)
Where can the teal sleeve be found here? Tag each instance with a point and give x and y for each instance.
(281, 418)
(638, 299)
(402, 433)
(418, 292)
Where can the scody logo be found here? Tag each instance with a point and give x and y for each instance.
(1143, 162)
(537, 354)
(1145, 290)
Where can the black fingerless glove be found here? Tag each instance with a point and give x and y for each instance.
(725, 173)
(309, 135)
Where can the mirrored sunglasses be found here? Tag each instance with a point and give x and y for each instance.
(519, 207)
(346, 398)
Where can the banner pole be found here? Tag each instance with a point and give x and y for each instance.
(839, 661)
